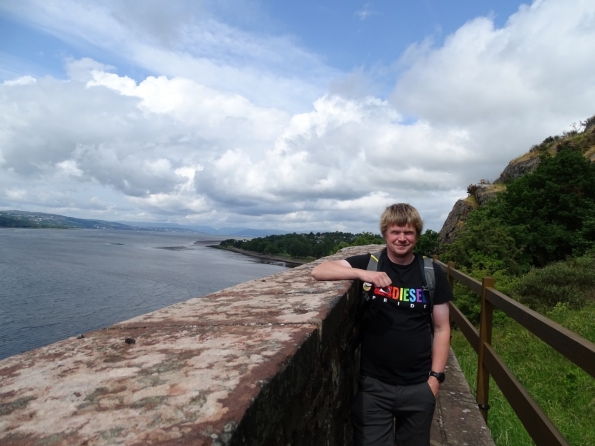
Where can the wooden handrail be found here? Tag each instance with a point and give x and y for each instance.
(538, 425)
(469, 331)
(577, 349)
(485, 341)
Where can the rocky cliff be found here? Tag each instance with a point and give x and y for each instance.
(518, 167)
(455, 220)
(480, 193)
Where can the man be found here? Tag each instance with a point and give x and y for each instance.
(402, 356)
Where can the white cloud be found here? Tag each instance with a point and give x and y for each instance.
(69, 167)
(365, 12)
(173, 146)
(224, 139)
(185, 39)
(82, 69)
(508, 87)
(23, 80)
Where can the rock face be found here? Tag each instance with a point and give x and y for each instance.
(484, 193)
(454, 221)
(479, 195)
(517, 169)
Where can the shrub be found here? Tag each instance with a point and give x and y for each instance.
(571, 282)
(486, 246)
(472, 188)
(427, 244)
(549, 140)
(551, 212)
(588, 123)
(367, 238)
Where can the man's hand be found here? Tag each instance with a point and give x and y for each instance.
(434, 385)
(377, 278)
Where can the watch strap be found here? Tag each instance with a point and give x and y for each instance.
(440, 376)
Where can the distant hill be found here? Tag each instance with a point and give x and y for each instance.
(24, 219)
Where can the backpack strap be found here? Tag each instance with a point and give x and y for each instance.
(428, 277)
(372, 266)
(374, 259)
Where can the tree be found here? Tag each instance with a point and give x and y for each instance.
(367, 238)
(552, 210)
(427, 244)
(486, 246)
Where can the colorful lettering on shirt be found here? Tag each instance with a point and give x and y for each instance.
(401, 294)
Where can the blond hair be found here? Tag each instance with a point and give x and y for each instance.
(401, 214)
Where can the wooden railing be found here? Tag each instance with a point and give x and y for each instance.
(577, 349)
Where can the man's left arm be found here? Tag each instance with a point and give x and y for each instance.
(441, 343)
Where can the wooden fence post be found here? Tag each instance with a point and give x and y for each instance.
(485, 338)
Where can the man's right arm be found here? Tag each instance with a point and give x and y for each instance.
(342, 270)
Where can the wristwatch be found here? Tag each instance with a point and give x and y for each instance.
(438, 375)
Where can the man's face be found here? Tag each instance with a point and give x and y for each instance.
(400, 241)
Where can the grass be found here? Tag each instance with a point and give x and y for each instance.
(564, 391)
(472, 201)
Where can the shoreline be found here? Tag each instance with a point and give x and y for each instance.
(289, 262)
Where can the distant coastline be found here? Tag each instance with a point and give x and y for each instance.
(41, 220)
(288, 261)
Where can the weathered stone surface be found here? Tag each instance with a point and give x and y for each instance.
(288, 297)
(484, 193)
(517, 169)
(454, 222)
(457, 420)
(255, 364)
(172, 383)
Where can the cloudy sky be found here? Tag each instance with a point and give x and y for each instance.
(309, 115)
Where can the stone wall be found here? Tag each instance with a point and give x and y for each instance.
(255, 364)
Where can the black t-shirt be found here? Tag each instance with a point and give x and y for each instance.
(396, 336)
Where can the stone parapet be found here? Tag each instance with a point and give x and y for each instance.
(254, 364)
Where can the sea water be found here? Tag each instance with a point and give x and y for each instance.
(57, 283)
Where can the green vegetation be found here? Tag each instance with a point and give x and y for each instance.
(24, 219)
(583, 141)
(427, 244)
(564, 391)
(543, 217)
(551, 213)
(304, 246)
(11, 222)
(314, 246)
(570, 283)
(537, 239)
